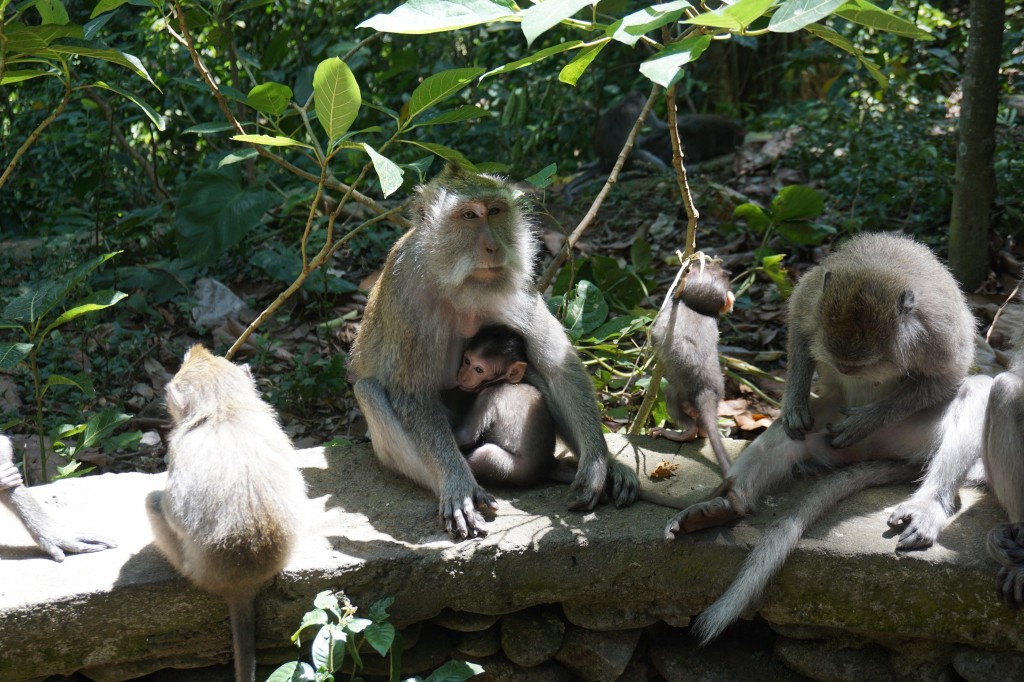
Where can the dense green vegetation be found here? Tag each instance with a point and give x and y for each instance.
(114, 141)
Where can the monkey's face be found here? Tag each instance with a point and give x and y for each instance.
(476, 371)
(859, 320)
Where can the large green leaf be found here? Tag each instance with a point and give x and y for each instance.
(52, 12)
(328, 650)
(535, 57)
(158, 120)
(13, 353)
(664, 67)
(293, 671)
(446, 153)
(96, 301)
(12, 76)
(31, 39)
(270, 140)
(40, 299)
(436, 88)
(548, 14)
(101, 424)
(271, 98)
(573, 71)
(735, 17)
(864, 13)
(586, 311)
(797, 202)
(106, 6)
(214, 213)
(463, 113)
(434, 16)
(830, 36)
(455, 671)
(89, 48)
(793, 15)
(336, 97)
(285, 265)
(633, 26)
(388, 172)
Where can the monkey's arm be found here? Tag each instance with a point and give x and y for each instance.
(46, 532)
(557, 372)
(413, 438)
(10, 477)
(797, 419)
(927, 511)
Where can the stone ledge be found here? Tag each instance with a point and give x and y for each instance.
(373, 535)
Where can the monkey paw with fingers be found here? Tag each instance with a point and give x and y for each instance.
(10, 477)
(460, 513)
(57, 545)
(1006, 545)
(589, 483)
(921, 523)
(623, 484)
(859, 423)
(797, 419)
(707, 514)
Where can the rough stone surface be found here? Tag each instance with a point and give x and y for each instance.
(597, 656)
(460, 621)
(743, 655)
(531, 637)
(499, 669)
(372, 535)
(479, 644)
(606, 616)
(989, 666)
(833, 662)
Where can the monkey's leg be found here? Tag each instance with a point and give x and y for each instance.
(1004, 467)
(958, 435)
(46, 532)
(165, 537)
(414, 439)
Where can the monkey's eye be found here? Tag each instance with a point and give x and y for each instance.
(478, 370)
(469, 215)
(493, 210)
(465, 361)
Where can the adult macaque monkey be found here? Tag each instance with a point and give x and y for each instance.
(39, 524)
(508, 434)
(892, 339)
(466, 264)
(229, 515)
(685, 335)
(1004, 469)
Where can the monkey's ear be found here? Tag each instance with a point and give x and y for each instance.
(516, 372)
(730, 298)
(906, 302)
(176, 400)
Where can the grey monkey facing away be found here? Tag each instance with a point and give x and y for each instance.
(466, 264)
(46, 532)
(685, 335)
(890, 334)
(230, 513)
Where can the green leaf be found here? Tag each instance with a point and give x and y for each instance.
(634, 26)
(436, 88)
(311, 618)
(270, 140)
(336, 97)
(586, 311)
(573, 71)
(754, 215)
(158, 120)
(388, 172)
(207, 128)
(805, 232)
(830, 36)
(39, 300)
(270, 98)
(327, 600)
(88, 48)
(293, 671)
(641, 257)
(463, 113)
(328, 650)
(535, 57)
(434, 16)
(285, 265)
(543, 177)
(214, 213)
(664, 67)
(796, 202)
(12, 76)
(455, 671)
(445, 153)
(52, 12)
(772, 266)
(793, 15)
(545, 15)
(13, 353)
(380, 636)
(100, 425)
(735, 17)
(96, 301)
(105, 6)
(864, 13)
(22, 39)
(378, 611)
(238, 157)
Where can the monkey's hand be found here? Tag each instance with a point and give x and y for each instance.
(1006, 545)
(707, 514)
(796, 417)
(586, 488)
(921, 522)
(10, 477)
(623, 484)
(458, 509)
(859, 422)
(57, 544)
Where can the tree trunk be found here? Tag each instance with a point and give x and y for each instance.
(974, 185)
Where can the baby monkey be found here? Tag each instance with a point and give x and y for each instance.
(40, 525)
(229, 515)
(508, 433)
(685, 336)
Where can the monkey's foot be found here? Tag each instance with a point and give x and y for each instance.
(623, 485)
(676, 436)
(460, 515)
(921, 522)
(721, 508)
(1006, 545)
(76, 543)
(590, 482)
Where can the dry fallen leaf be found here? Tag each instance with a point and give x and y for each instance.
(664, 469)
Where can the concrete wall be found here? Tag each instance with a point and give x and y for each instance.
(844, 599)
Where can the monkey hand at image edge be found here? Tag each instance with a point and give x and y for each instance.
(1006, 545)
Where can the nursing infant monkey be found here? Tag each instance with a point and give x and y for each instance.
(39, 524)
(466, 264)
(685, 336)
(889, 332)
(229, 515)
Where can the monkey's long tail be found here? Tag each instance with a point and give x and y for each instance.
(243, 636)
(766, 559)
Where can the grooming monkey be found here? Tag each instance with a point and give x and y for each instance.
(466, 264)
(229, 515)
(685, 335)
(508, 433)
(1003, 450)
(890, 334)
(40, 525)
